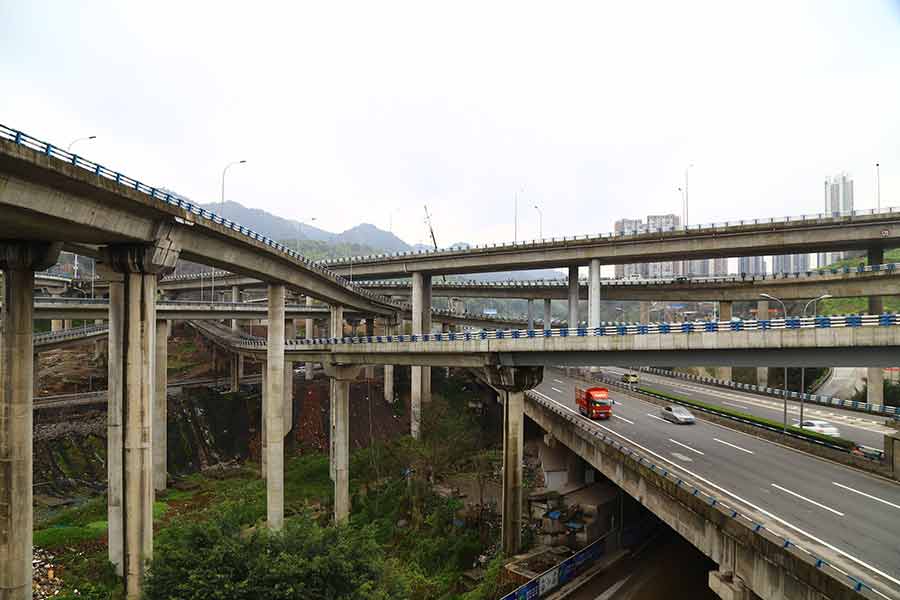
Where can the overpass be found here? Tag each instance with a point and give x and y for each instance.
(51, 199)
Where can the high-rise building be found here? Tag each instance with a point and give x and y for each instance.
(790, 263)
(752, 265)
(665, 269)
(838, 200)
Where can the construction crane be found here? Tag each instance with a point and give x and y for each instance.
(431, 231)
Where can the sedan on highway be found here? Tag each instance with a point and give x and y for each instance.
(630, 378)
(677, 414)
(819, 426)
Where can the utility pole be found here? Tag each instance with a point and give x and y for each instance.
(878, 186)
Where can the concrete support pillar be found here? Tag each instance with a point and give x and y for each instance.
(341, 376)
(370, 327)
(235, 373)
(389, 384)
(67, 324)
(263, 439)
(56, 325)
(18, 261)
(421, 323)
(548, 315)
(133, 273)
(510, 385)
(114, 434)
(290, 332)
(160, 406)
(336, 326)
(235, 297)
(594, 294)
(530, 314)
(725, 314)
(573, 297)
(875, 375)
(309, 333)
(762, 314)
(274, 403)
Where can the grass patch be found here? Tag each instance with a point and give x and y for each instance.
(811, 435)
(67, 535)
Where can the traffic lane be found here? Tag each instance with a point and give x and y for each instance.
(869, 434)
(753, 477)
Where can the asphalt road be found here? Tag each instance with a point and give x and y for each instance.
(864, 429)
(837, 512)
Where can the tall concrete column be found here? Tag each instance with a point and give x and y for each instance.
(548, 315)
(290, 332)
(421, 323)
(341, 376)
(235, 373)
(274, 402)
(530, 314)
(594, 294)
(114, 427)
(510, 385)
(235, 297)
(160, 406)
(644, 308)
(56, 325)
(389, 384)
(875, 375)
(135, 269)
(725, 314)
(573, 297)
(762, 314)
(18, 262)
(309, 333)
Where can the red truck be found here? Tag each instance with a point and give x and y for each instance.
(594, 402)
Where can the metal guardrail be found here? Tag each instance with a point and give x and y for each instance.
(879, 409)
(723, 507)
(65, 334)
(563, 283)
(23, 139)
(618, 329)
(548, 242)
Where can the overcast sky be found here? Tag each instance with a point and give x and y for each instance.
(356, 112)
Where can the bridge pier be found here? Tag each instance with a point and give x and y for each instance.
(274, 409)
(573, 297)
(160, 406)
(235, 373)
(235, 297)
(530, 312)
(421, 323)
(762, 314)
(309, 333)
(725, 314)
(548, 315)
(510, 384)
(290, 332)
(18, 260)
(133, 273)
(341, 376)
(875, 375)
(644, 309)
(594, 294)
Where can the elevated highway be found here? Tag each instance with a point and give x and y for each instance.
(862, 230)
(829, 517)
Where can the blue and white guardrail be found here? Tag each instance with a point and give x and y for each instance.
(23, 139)
(881, 409)
(616, 329)
(719, 504)
(555, 577)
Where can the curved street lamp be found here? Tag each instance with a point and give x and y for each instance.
(225, 170)
(81, 139)
(815, 303)
(784, 309)
(540, 222)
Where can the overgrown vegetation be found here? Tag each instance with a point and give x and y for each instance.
(891, 394)
(403, 541)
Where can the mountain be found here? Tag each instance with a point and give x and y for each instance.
(370, 235)
(268, 224)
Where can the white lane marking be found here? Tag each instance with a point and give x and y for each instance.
(736, 405)
(746, 502)
(733, 446)
(624, 419)
(819, 504)
(850, 489)
(685, 446)
(556, 390)
(681, 456)
(558, 381)
(657, 418)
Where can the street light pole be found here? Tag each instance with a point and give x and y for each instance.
(815, 303)
(878, 186)
(784, 309)
(224, 171)
(299, 231)
(540, 222)
(81, 139)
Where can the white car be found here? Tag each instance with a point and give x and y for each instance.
(677, 414)
(819, 426)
